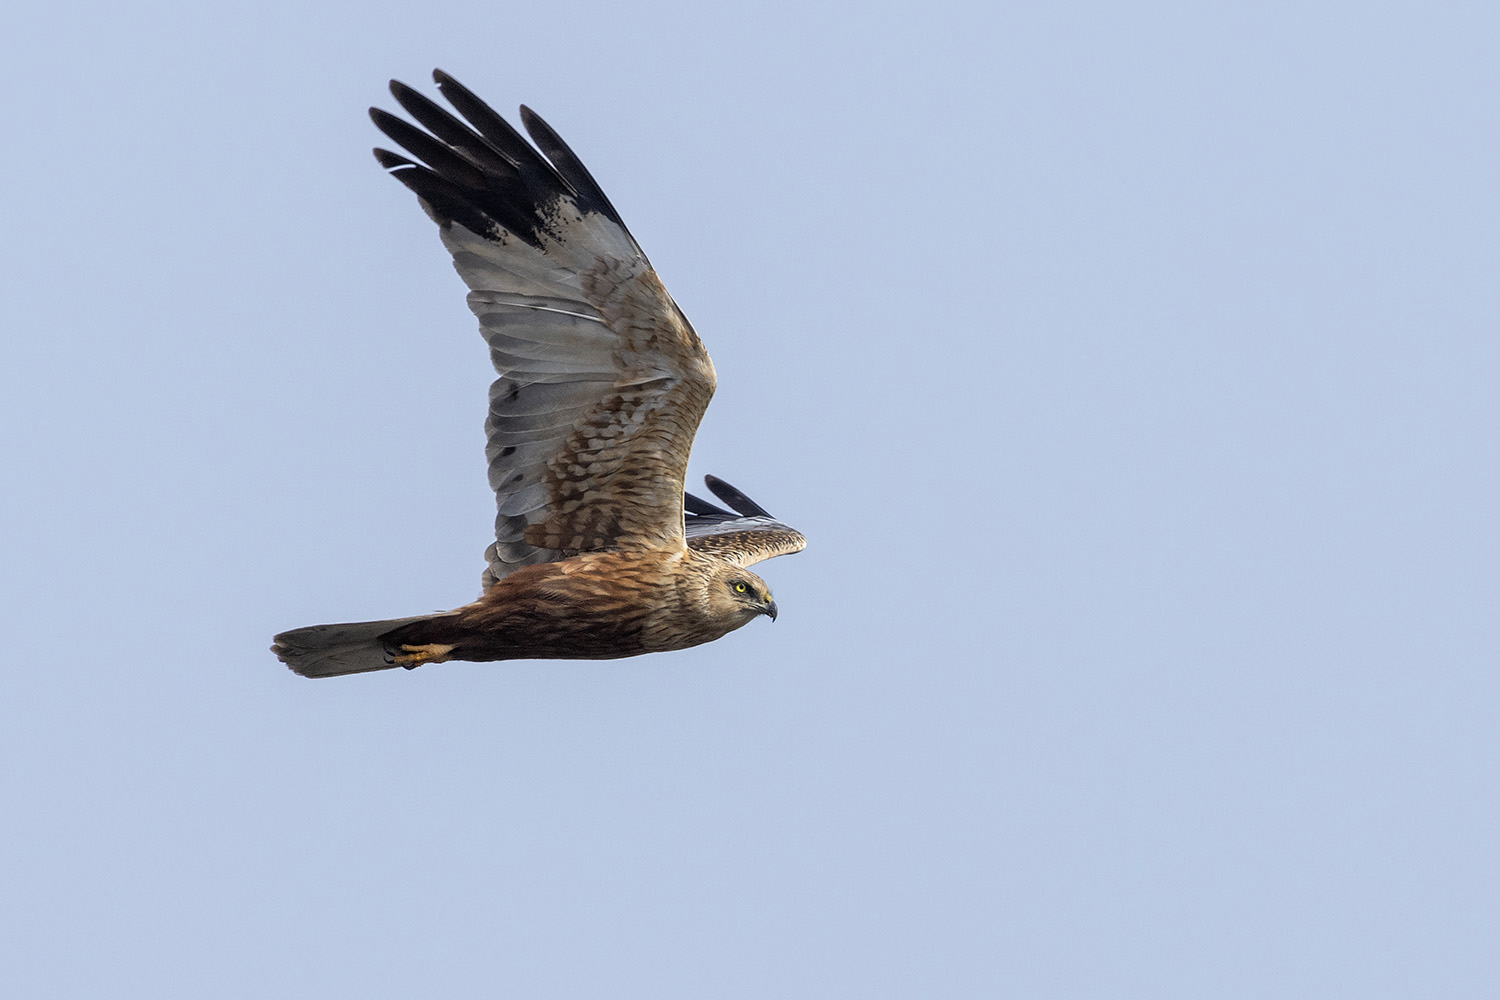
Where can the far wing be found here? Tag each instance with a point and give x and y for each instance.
(746, 536)
(602, 379)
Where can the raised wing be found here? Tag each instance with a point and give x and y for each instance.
(746, 536)
(602, 379)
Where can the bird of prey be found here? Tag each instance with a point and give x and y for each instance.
(598, 551)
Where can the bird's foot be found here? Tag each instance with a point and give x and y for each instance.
(412, 657)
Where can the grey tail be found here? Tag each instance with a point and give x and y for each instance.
(335, 650)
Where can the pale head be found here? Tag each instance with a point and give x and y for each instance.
(736, 595)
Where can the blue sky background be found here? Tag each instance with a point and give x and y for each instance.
(1132, 369)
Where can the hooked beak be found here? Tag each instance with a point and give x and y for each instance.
(769, 610)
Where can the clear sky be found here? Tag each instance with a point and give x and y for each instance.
(1131, 367)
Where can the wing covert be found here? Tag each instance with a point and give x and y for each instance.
(746, 536)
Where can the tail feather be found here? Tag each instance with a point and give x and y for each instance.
(335, 650)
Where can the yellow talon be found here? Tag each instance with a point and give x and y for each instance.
(415, 656)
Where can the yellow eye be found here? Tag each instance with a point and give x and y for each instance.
(740, 588)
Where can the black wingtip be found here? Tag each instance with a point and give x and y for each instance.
(700, 507)
(390, 160)
(400, 91)
(383, 119)
(477, 170)
(570, 168)
(734, 498)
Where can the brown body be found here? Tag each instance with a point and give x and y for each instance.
(594, 606)
(590, 607)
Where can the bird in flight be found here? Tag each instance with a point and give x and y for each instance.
(599, 552)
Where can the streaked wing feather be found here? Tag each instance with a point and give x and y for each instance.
(746, 537)
(602, 380)
(761, 538)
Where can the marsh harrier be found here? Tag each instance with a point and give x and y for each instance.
(598, 551)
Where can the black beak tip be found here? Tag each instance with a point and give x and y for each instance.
(770, 611)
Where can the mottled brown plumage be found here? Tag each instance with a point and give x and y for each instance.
(598, 551)
(600, 605)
